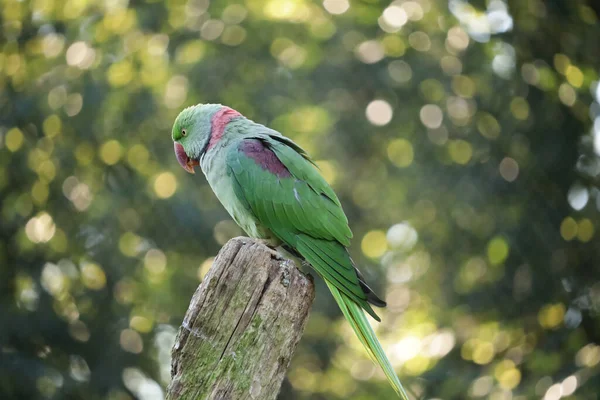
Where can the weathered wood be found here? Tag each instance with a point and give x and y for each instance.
(242, 326)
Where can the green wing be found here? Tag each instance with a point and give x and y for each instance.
(277, 182)
(301, 209)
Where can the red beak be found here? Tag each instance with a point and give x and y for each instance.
(187, 163)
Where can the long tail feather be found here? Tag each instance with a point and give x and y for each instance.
(359, 323)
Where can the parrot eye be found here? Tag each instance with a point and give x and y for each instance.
(184, 132)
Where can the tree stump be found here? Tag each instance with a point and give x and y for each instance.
(242, 326)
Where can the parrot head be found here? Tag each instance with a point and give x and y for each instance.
(196, 130)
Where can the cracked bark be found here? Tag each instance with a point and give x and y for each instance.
(242, 326)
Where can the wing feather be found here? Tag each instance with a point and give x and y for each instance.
(300, 208)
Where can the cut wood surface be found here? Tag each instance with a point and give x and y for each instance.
(242, 326)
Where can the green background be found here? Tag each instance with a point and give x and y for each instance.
(461, 137)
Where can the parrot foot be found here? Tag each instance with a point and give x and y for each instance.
(270, 247)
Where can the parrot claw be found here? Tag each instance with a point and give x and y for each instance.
(270, 248)
(275, 254)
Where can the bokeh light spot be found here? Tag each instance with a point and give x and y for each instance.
(568, 228)
(463, 86)
(155, 261)
(40, 229)
(393, 46)
(457, 39)
(80, 55)
(488, 126)
(93, 276)
(290, 10)
(400, 152)
(483, 353)
(561, 63)
(507, 374)
(79, 331)
(111, 152)
(419, 41)
(204, 267)
(519, 108)
(131, 341)
(574, 76)
(395, 17)
(417, 366)
(234, 14)
(414, 10)
(460, 151)
(165, 185)
(481, 386)
(52, 126)
(400, 71)
(588, 356)
(233, 35)
(190, 52)
(530, 74)
(57, 97)
(39, 193)
(14, 139)
(451, 65)
(157, 44)
(336, 7)
(509, 169)
(129, 244)
(176, 91)
(578, 196)
(370, 51)
(374, 244)
(569, 385)
(497, 250)
(567, 94)
(120, 74)
(402, 236)
(53, 280)
(213, 28)
(379, 112)
(141, 323)
(74, 104)
(585, 230)
(431, 116)
(551, 315)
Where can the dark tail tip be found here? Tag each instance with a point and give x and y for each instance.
(371, 296)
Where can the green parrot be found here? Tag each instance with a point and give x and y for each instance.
(274, 192)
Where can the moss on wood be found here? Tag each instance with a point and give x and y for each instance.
(242, 326)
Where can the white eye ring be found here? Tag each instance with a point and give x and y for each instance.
(183, 132)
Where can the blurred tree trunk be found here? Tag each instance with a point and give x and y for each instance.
(242, 326)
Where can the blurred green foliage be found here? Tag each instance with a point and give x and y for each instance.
(462, 138)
